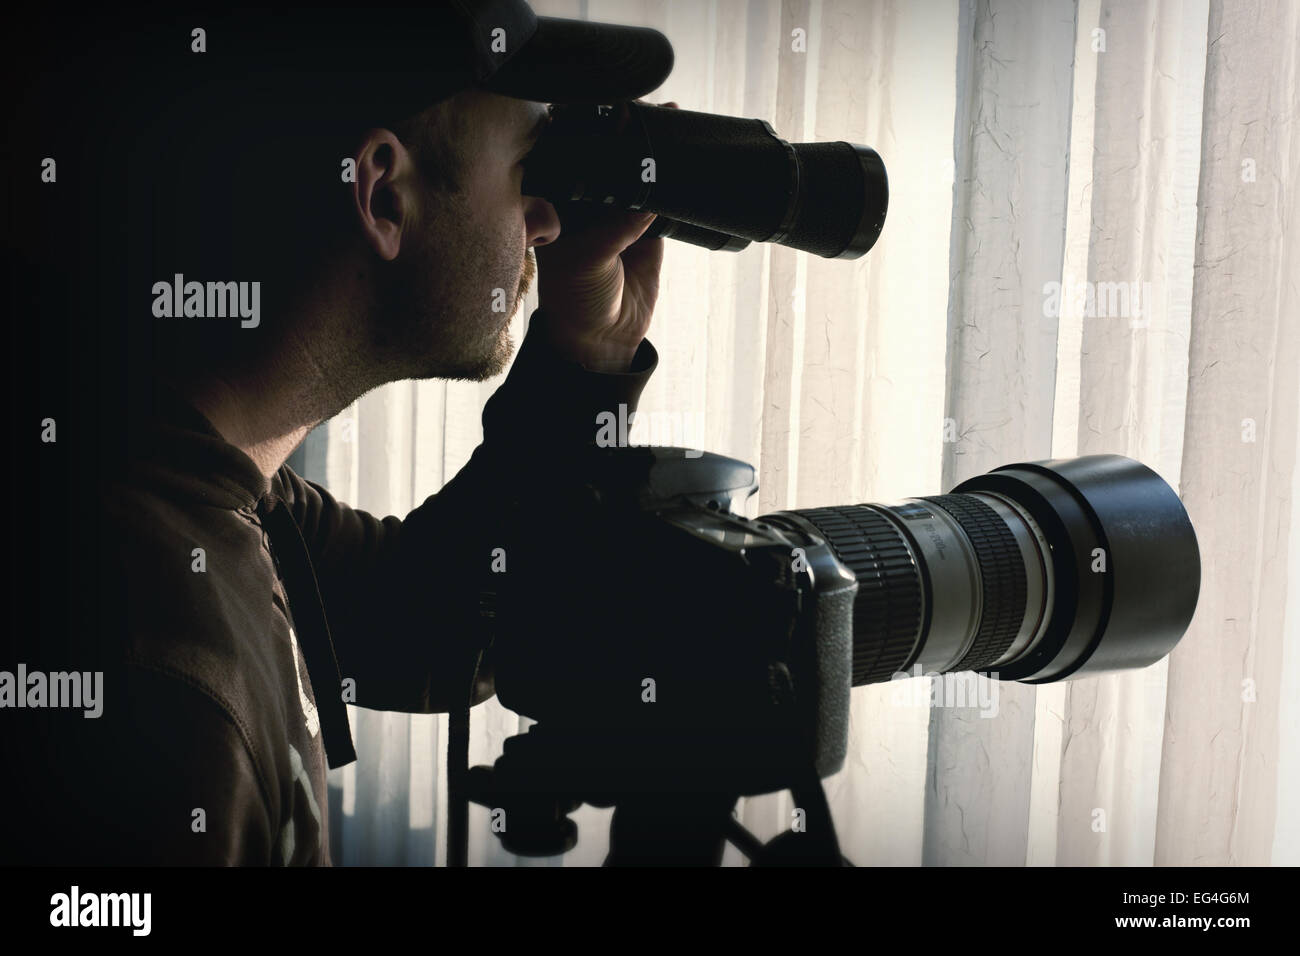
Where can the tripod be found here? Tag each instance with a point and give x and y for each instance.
(659, 820)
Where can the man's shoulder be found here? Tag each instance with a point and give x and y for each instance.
(186, 591)
(179, 557)
(150, 508)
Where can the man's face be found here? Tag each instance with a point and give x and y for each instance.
(465, 263)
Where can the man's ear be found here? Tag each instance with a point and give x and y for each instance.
(385, 195)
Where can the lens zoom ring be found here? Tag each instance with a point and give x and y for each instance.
(887, 610)
(1002, 573)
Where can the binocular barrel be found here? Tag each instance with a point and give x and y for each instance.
(715, 181)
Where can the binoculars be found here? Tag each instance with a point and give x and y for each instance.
(719, 182)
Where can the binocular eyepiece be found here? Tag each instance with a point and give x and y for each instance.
(719, 182)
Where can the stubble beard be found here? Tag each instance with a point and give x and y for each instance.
(427, 327)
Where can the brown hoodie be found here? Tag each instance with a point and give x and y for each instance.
(225, 669)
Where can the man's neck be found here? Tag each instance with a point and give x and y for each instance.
(265, 426)
(266, 411)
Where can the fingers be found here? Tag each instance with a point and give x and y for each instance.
(595, 232)
(644, 258)
(621, 231)
(599, 234)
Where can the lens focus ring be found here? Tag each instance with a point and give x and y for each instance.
(887, 610)
(1002, 575)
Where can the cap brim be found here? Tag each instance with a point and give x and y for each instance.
(577, 61)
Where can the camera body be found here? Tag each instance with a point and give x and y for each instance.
(662, 637)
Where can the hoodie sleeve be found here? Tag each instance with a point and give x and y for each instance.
(400, 594)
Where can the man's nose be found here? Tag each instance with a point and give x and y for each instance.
(541, 221)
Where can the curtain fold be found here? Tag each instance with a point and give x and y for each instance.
(1132, 365)
(1011, 142)
(1220, 786)
(1085, 252)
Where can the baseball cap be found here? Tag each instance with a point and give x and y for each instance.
(421, 55)
(555, 60)
(386, 62)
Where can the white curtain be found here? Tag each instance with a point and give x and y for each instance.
(1148, 142)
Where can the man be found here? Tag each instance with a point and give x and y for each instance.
(238, 604)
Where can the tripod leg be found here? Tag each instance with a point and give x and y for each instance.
(814, 844)
(672, 829)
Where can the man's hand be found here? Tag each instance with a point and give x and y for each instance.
(598, 283)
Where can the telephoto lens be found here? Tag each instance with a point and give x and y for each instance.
(1034, 572)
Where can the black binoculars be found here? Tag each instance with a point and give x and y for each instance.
(719, 182)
